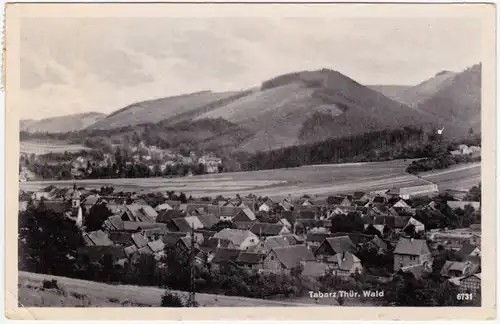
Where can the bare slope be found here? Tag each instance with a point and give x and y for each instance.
(285, 110)
(413, 95)
(459, 102)
(153, 111)
(61, 124)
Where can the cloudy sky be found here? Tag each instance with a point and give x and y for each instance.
(103, 64)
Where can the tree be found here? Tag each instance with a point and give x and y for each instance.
(474, 194)
(296, 271)
(371, 230)
(183, 198)
(48, 242)
(408, 291)
(410, 230)
(170, 299)
(97, 215)
(351, 223)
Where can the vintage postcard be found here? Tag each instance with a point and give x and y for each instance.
(224, 161)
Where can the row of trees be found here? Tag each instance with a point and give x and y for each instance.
(408, 142)
(442, 161)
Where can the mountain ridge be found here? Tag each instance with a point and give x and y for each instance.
(61, 124)
(290, 109)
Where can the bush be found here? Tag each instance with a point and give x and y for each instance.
(170, 299)
(50, 284)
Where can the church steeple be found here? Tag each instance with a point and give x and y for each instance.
(76, 197)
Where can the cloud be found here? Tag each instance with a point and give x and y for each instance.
(103, 64)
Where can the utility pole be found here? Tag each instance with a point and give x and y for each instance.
(192, 268)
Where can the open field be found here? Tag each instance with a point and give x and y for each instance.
(312, 180)
(460, 177)
(84, 293)
(47, 147)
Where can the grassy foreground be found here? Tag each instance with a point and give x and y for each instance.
(82, 293)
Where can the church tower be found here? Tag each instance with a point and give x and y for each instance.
(76, 209)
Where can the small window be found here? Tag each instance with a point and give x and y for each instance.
(272, 257)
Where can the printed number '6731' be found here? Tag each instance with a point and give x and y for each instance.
(463, 296)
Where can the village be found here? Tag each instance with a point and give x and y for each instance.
(94, 163)
(381, 234)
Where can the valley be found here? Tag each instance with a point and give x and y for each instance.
(320, 180)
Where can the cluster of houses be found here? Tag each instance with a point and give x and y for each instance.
(277, 236)
(153, 157)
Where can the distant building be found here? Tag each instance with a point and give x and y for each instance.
(410, 252)
(467, 150)
(210, 162)
(414, 191)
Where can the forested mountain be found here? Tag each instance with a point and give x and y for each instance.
(61, 124)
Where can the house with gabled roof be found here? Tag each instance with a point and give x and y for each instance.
(139, 213)
(227, 213)
(410, 251)
(401, 204)
(212, 244)
(167, 215)
(293, 239)
(380, 245)
(471, 283)
(120, 238)
(243, 225)
(139, 240)
(285, 222)
(208, 220)
(334, 245)
(131, 252)
(97, 238)
(269, 243)
(284, 259)
(419, 227)
(416, 270)
(265, 207)
(241, 239)
(268, 229)
(286, 205)
(397, 211)
(194, 222)
(468, 250)
(244, 215)
(91, 201)
(179, 225)
(314, 240)
(162, 207)
(379, 200)
(339, 201)
(360, 196)
(175, 204)
(458, 269)
(172, 238)
(223, 256)
(345, 264)
(250, 260)
(196, 209)
(306, 202)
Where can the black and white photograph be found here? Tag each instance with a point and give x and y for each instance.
(258, 160)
